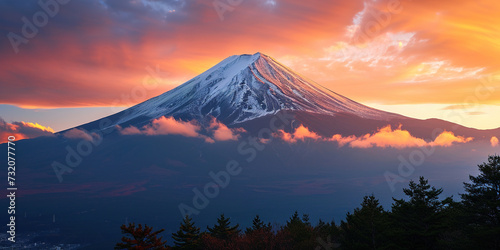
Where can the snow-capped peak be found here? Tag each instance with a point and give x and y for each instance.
(245, 87)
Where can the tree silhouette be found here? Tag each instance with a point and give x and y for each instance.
(421, 221)
(140, 238)
(300, 232)
(366, 227)
(223, 230)
(259, 236)
(188, 235)
(418, 222)
(327, 235)
(258, 225)
(482, 201)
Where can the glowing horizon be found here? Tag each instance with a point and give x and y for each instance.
(417, 58)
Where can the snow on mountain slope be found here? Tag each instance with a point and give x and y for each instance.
(245, 87)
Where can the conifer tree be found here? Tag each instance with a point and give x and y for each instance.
(294, 219)
(419, 222)
(187, 237)
(327, 235)
(223, 230)
(301, 232)
(141, 238)
(305, 219)
(482, 202)
(258, 225)
(365, 228)
(260, 235)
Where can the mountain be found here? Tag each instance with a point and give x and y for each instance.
(248, 90)
(242, 88)
(93, 185)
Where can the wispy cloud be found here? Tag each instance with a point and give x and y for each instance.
(81, 134)
(476, 113)
(170, 126)
(216, 131)
(222, 133)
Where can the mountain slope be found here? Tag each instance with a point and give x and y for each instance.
(242, 88)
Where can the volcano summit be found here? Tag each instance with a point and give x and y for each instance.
(242, 88)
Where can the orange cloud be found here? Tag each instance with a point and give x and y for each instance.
(223, 133)
(447, 139)
(80, 134)
(130, 131)
(171, 126)
(301, 133)
(342, 141)
(183, 44)
(37, 126)
(22, 130)
(426, 49)
(494, 141)
(384, 137)
(414, 55)
(166, 126)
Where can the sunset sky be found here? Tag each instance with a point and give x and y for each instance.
(419, 58)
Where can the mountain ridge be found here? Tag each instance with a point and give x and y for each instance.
(241, 88)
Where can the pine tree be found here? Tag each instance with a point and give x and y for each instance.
(419, 222)
(294, 219)
(365, 227)
(222, 230)
(482, 202)
(258, 225)
(141, 238)
(327, 235)
(300, 232)
(188, 235)
(260, 235)
(305, 219)
(454, 224)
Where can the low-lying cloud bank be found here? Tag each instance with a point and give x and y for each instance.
(81, 134)
(22, 130)
(216, 130)
(384, 137)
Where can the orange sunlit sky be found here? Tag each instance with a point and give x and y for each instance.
(420, 58)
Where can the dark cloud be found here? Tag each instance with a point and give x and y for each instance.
(22, 130)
